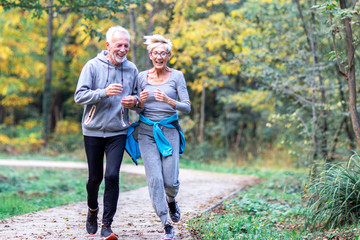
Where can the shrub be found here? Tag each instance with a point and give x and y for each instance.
(334, 196)
(24, 138)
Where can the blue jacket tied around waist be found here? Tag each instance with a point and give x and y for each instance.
(164, 147)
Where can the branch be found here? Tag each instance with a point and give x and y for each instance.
(333, 34)
(290, 92)
(303, 22)
(354, 3)
(34, 5)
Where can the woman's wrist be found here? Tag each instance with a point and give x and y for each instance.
(171, 102)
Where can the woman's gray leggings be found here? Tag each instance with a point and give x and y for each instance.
(161, 172)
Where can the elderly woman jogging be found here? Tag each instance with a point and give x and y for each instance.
(161, 140)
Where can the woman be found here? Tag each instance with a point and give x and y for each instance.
(160, 137)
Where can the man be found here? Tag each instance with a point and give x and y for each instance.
(107, 89)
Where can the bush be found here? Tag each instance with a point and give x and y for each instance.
(334, 196)
(24, 138)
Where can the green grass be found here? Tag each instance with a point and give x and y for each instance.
(273, 209)
(59, 157)
(333, 198)
(39, 157)
(24, 190)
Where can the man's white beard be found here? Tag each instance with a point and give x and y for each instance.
(117, 58)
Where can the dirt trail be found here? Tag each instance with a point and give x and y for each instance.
(135, 217)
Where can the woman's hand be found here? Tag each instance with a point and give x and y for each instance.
(144, 95)
(162, 97)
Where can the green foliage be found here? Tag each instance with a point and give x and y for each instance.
(253, 58)
(266, 211)
(334, 195)
(89, 9)
(23, 190)
(273, 210)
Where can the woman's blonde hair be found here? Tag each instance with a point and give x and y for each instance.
(156, 40)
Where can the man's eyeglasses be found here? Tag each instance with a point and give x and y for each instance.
(161, 54)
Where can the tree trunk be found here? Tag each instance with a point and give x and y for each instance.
(351, 76)
(2, 114)
(344, 107)
(57, 110)
(47, 86)
(150, 29)
(202, 114)
(133, 30)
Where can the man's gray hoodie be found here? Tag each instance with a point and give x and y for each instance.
(105, 116)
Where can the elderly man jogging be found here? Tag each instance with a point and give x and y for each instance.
(107, 89)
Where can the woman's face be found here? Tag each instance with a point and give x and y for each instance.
(159, 57)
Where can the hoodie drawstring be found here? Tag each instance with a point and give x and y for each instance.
(122, 73)
(107, 78)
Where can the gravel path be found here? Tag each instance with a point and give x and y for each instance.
(135, 217)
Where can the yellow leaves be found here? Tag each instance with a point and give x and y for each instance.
(187, 60)
(211, 3)
(214, 60)
(30, 124)
(265, 1)
(200, 10)
(133, 6)
(218, 17)
(5, 52)
(238, 14)
(4, 139)
(34, 140)
(257, 100)
(148, 7)
(9, 85)
(196, 85)
(66, 127)
(14, 100)
(231, 68)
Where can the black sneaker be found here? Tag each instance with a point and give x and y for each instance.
(107, 233)
(91, 221)
(168, 232)
(174, 211)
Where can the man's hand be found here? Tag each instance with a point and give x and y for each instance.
(114, 89)
(129, 101)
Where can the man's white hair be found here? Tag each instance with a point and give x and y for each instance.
(110, 32)
(156, 40)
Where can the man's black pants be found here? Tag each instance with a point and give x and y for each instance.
(95, 148)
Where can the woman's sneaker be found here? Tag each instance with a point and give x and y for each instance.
(91, 221)
(168, 232)
(107, 233)
(174, 211)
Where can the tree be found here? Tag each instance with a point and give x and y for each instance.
(90, 10)
(351, 77)
(336, 15)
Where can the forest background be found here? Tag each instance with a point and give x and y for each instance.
(271, 81)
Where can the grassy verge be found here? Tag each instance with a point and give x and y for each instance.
(273, 209)
(24, 190)
(59, 157)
